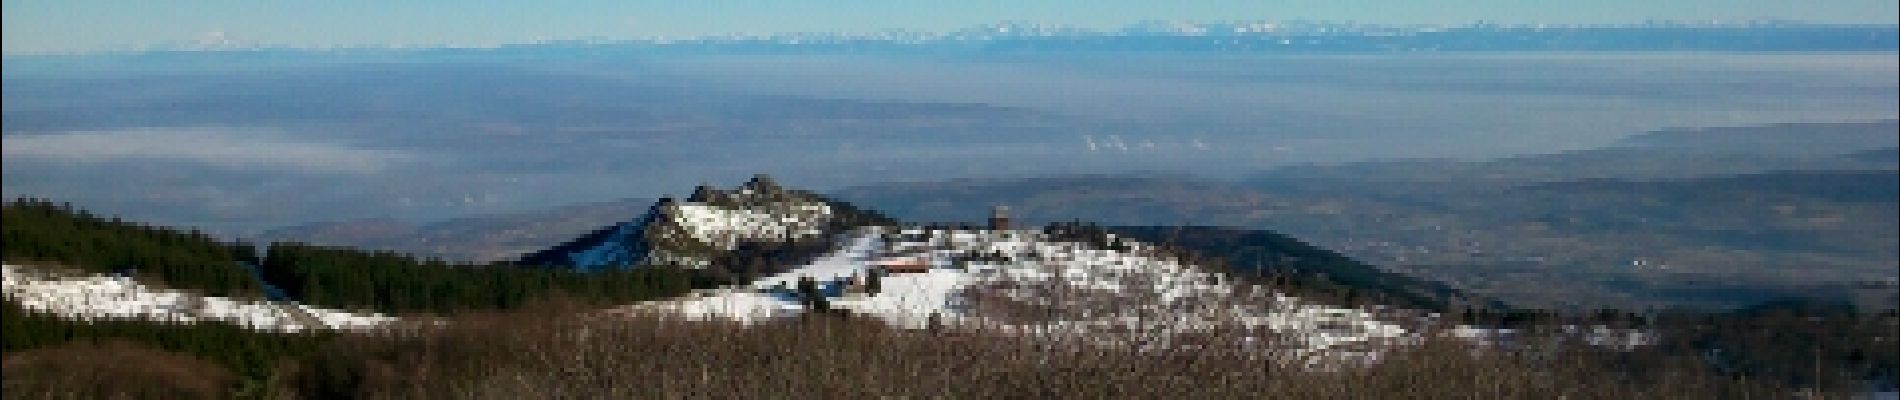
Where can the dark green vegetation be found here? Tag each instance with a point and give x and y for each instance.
(251, 356)
(46, 235)
(1301, 269)
(40, 231)
(1797, 343)
(394, 283)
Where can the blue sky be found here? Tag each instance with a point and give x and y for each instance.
(32, 26)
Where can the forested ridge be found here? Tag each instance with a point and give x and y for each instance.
(1307, 271)
(42, 234)
(40, 231)
(395, 283)
(246, 352)
(1787, 345)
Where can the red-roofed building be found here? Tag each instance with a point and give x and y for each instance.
(904, 266)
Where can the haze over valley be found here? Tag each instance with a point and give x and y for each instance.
(1357, 151)
(423, 139)
(1086, 199)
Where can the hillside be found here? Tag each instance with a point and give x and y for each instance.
(1312, 271)
(38, 231)
(1072, 294)
(771, 252)
(758, 219)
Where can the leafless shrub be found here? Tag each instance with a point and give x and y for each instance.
(112, 370)
(548, 354)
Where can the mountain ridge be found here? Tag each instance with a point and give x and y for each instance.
(707, 225)
(1109, 289)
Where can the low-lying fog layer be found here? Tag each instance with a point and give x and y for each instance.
(242, 147)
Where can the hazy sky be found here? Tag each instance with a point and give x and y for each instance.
(32, 26)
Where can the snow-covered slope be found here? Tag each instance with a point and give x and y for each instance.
(724, 228)
(1058, 284)
(1127, 293)
(103, 297)
(1024, 282)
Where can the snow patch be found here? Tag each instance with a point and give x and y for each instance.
(1131, 295)
(726, 227)
(103, 297)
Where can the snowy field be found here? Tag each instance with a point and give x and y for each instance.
(98, 297)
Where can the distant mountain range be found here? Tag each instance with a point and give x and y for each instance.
(1249, 36)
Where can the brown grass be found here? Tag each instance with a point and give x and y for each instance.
(538, 355)
(112, 370)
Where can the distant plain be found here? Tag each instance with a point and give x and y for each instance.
(1394, 142)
